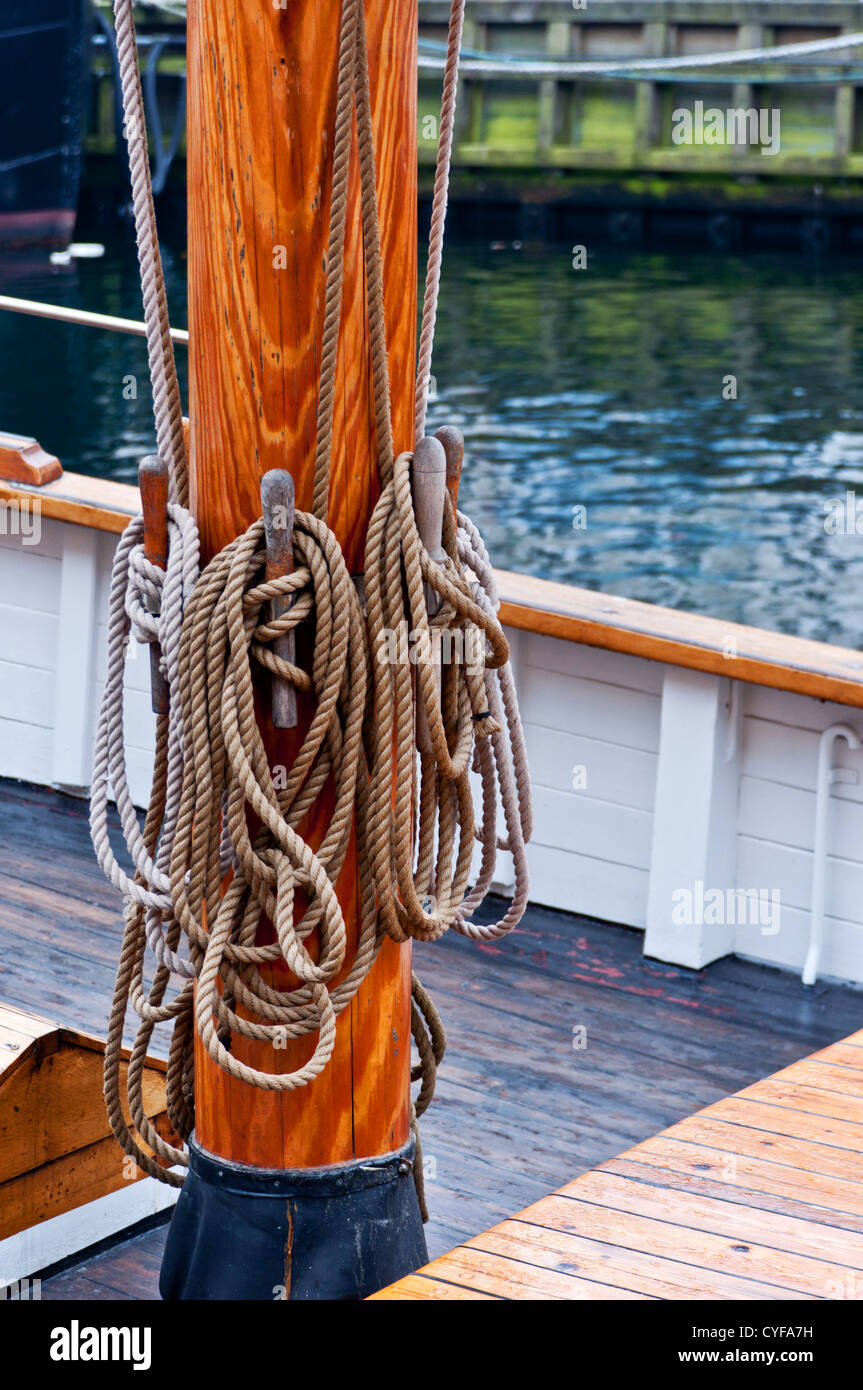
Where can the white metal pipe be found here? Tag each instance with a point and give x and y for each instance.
(84, 317)
(826, 777)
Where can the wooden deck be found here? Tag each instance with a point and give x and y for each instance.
(757, 1197)
(520, 1110)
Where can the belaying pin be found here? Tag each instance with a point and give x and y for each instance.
(277, 504)
(153, 484)
(428, 486)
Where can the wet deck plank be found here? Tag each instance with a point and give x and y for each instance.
(678, 1218)
(519, 1109)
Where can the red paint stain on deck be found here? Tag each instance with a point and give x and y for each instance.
(646, 992)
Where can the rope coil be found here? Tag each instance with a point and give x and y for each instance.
(392, 743)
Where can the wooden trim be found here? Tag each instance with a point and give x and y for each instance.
(97, 503)
(682, 639)
(752, 654)
(71, 1180)
(56, 1147)
(23, 460)
(36, 1028)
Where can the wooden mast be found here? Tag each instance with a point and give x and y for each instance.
(262, 88)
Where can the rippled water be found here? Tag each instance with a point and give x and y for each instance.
(599, 389)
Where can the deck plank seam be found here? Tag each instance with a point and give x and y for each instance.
(720, 1182)
(757, 1129)
(689, 1264)
(730, 1200)
(566, 1274)
(790, 1110)
(702, 1230)
(471, 1288)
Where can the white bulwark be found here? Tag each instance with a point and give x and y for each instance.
(675, 800)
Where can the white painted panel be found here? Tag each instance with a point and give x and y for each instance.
(694, 821)
(25, 751)
(789, 755)
(626, 776)
(26, 695)
(761, 864)
(594, 887)
(30, 579)
(73, 713)
(27, 638)
(800, 711)
(48, 1242)
(581, 824)
(593, 663)
(786, 815)
(49, 532)
(841, 958)
(103, 586)
(628, 717)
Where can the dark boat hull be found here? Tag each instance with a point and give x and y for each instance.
(44, 47)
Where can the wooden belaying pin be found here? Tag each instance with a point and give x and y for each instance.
(277, 503)
(428, 487)
(153, 484)
(452, 440)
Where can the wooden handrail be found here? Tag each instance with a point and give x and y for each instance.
(98, 503)
(593, 619)
(682, 639)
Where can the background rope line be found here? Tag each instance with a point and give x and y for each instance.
(160, 349)
(567, 68)
(440, 199)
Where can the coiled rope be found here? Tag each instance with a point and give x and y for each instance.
(211, 773)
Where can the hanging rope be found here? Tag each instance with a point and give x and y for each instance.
(137, 586)
(160, 349)
(440, 198)
(212, 778)
(226, 765)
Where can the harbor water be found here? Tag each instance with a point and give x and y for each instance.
(666, 424)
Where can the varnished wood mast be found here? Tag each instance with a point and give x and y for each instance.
(262, 87)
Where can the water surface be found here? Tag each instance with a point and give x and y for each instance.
(601, 451)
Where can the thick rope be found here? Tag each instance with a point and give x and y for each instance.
(136, 587)
(160, 349)
(212, 779)
(440, 199)
(226, 764)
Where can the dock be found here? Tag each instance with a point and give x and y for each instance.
(546, 150)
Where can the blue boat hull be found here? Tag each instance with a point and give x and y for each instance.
(43, 79)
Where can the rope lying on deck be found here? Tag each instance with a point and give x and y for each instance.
(212, 778)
